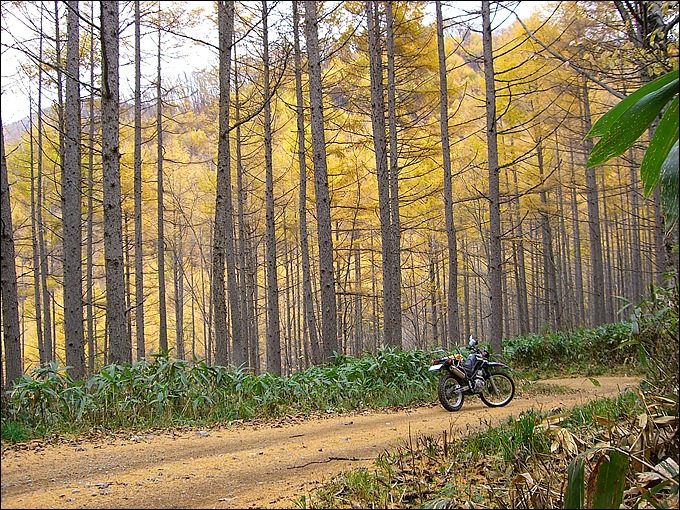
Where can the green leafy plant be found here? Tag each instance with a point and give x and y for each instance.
(621, 126)
(605, 485)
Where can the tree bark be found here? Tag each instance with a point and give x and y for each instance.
(223, 233)
(71, 205)
(636, 270)
(453, 331)
(119, 344)
(48, 337)
(139, 254)
(495, 261)
(35, 249)
(597, 308)
(178, 271)
(329, 330)
(160, 194)
(382, 172)
(578, 261)
(553, 312)
(393, 175)
(247, 274)
(8, 278)
(89, 249)
(307, 295)
(273, 314)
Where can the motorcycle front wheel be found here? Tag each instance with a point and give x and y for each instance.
(449, 392)
(498, 390)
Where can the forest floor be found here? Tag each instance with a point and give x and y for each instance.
(260, 464)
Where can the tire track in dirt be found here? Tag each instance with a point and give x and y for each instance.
(261, 465)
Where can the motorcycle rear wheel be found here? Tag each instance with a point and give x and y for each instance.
(449, 392)
(498, 390)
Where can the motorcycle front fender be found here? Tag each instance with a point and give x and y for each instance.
(496, 364)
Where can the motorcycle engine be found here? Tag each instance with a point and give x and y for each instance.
(479, 384)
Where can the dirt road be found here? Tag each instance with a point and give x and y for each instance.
(260, 465)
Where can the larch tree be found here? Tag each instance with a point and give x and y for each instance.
(238, 337)
(35, 246)
(393, 177)
(307, 294)
(453, 329)
(139, 254)
(597, 308)
(8, 278)
(89, 228)
(390, 288)
(120, 349)
(553, 314)
(495, 273)
(250, 346)
(47, 354)
(273, 343)
(329, 334)
(160, 196)
(223, 232)
(71, 204)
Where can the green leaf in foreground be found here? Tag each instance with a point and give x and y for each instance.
(607, 481)
(665, 137)
(634, 121)
(604, 123)
(574, 496)
(668, 185)
(621, 126)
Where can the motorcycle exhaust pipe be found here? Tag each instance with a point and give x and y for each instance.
(458, 373)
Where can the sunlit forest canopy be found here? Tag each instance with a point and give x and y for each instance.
(266, 149)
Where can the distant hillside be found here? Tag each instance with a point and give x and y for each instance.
(15, 130)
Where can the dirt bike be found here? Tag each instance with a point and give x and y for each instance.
(474, 376)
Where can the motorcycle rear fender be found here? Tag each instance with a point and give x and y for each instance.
(436, 367)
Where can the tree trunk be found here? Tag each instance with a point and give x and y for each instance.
(160, 192)
(273, 315)
(329, 335)
(358, 304)
(8, 278)
(597, 308)
(127, 270)
(178, 270)
(71, 206)
(307, 295)
(610, 292)
(660, 261)
(636, 257)
(578, 261)
(452, 293)
(553, 315)
(223, 234)
(89, 270)
(567, 290)
(382, 171)
(245, 256)
(139, 254)
(434, 311)
(495, 261)
(48, 337)
(35, 249)
(119, 345)
(224, 13)
(393, 175)
(520, 265)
